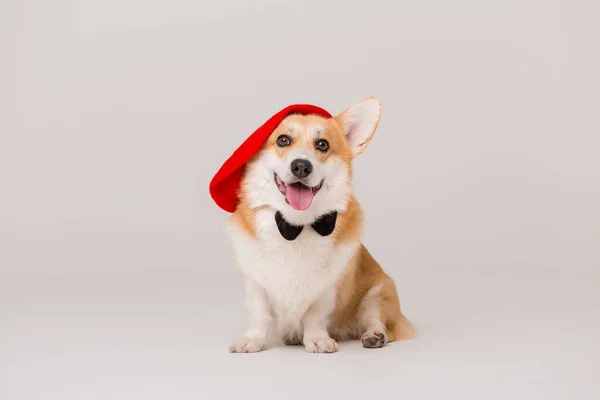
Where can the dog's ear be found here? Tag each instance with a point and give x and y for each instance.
(359, 123)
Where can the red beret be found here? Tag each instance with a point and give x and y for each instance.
(225, 184)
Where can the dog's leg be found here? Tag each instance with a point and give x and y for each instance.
(255, 337)
(316, 338)
(369, 318)
(380, 318)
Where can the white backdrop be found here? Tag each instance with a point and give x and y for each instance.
(481, 191)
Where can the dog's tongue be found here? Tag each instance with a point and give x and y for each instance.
(299, 196)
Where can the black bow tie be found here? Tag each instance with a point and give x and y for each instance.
(324, 225)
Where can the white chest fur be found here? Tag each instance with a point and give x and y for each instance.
(292, 273)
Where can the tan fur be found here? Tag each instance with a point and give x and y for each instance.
(244, 218)
(362, 275)
(305, 129)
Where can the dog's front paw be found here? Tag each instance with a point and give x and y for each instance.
(321, 345)
(247, 345)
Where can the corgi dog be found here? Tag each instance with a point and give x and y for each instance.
(296, 236)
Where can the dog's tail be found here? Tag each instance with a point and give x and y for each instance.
(403, 330)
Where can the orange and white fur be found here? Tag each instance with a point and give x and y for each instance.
(315, 290)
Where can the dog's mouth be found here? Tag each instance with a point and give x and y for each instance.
(297, 195)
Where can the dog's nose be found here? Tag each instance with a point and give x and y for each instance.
(301, 168)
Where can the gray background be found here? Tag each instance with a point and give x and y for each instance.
(481, 190)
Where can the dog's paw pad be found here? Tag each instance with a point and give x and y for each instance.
(374, 339)
(292, 340)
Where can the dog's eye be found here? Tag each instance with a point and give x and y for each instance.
(322, 145)
(284, 140)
